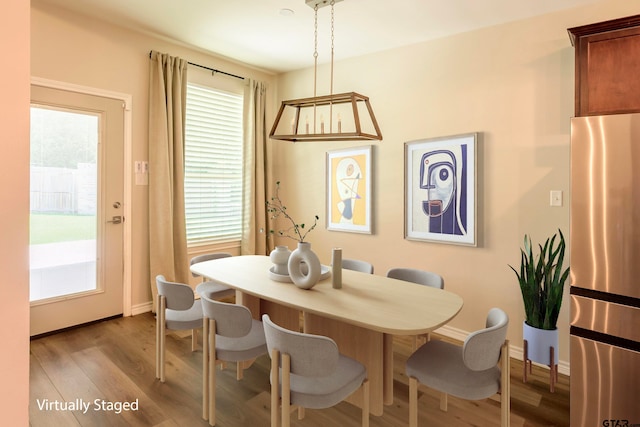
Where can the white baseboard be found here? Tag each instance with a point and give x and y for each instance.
(141, 308)
(516, 352)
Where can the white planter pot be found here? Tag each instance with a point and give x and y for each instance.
(304, 277)
(539, 341)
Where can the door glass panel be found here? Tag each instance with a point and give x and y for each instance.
(64, 203)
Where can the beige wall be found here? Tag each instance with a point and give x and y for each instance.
(514, 85)
(511, 83)
(14, 213)
(83, 51)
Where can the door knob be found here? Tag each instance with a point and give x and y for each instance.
(116, 220)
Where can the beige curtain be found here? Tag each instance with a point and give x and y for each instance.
(167, 228)
(254, 236)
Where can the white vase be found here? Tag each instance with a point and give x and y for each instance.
(539, 341)
(280, 259)
(304, 266)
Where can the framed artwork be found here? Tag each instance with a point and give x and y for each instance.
(349, 190)
(440, 189)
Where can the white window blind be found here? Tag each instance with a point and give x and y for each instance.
(213, 165)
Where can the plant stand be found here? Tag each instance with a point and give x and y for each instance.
(540, 346)
(553, 367)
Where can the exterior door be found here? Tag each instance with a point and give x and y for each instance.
(76, 231)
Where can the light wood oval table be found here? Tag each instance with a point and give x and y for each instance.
(361, 317)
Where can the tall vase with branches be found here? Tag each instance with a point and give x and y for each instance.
(277, 209)
(304, 265)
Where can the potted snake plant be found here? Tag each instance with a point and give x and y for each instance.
(542, 278)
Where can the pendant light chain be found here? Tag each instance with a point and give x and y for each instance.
(331, 82)
(315, 63)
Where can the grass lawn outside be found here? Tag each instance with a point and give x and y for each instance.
(53, 228)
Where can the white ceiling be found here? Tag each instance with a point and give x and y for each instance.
(255, 32)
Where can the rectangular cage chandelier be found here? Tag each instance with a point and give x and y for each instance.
(334, 117)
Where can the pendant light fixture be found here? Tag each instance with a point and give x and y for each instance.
(334, 117)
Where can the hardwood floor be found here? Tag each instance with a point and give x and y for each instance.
(114, 361)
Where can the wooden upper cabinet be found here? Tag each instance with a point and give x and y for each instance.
(607, 67)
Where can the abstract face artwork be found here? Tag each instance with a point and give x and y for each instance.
(441, 175)
(440, 189)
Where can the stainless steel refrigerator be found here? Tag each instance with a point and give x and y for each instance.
(605, 271)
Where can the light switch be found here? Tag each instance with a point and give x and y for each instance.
(141, 172)
(555, 198)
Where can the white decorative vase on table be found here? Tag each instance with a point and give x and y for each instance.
(280, 259)
(304, 266)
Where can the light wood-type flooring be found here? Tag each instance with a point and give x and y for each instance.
(114, 361)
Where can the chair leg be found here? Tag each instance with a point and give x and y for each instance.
(413, 402)
(194, 339)
(505, 386)
(444, 399)
(420, 340)
(158, 327)
(241, 366)
(161, 348)
(239, 371)
(212, 372)
(365, 403)
(286, 390)
(205, 368)
(275, 387)
(424, 338)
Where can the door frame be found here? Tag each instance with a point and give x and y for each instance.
(128, 173)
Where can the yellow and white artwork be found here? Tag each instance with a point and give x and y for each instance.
(349, 190)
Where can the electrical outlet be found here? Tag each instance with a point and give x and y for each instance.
(555, 198)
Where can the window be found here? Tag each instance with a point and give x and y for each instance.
(213, 165)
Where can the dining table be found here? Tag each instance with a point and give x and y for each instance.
(362, 316)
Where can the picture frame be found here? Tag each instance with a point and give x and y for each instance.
(349, 190)
(440, 189)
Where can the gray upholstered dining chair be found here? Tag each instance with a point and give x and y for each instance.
(421, 277)
(230, 334)
(176, 309)
(307, 371)
(357, 265)
(216, 290)
(469, 371)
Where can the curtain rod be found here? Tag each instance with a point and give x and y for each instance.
(213, 70)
